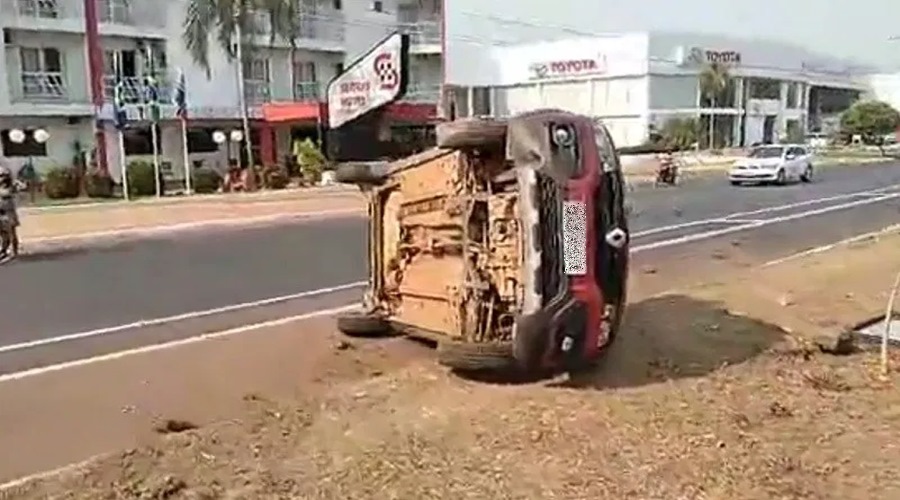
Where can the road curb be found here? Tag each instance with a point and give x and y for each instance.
(71, 242)
(203, 199)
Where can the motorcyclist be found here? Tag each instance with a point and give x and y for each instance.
(9, 217)
(667, 172)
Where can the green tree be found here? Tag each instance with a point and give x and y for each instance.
(714, 79)
(680, 133)
(872, 120)
(221, 20)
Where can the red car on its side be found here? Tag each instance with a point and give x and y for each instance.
(507, 244)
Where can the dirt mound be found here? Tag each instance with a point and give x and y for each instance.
(784, 425)
(695, 401)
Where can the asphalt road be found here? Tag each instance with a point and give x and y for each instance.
(104, 288)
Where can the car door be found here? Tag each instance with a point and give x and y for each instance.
(792, 161)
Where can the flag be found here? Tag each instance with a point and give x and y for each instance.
(119, 115)
(181, 97)
(151, 85)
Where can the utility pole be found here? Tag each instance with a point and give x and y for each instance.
(242, 97)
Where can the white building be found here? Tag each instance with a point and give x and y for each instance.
(45, 74)
(637, 81)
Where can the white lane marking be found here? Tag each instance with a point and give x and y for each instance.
(22, 481)
(175, 343)
(178, 317)
(745, 227)
(725, 219)
(191, 225)
(741, 226)
(824, 248)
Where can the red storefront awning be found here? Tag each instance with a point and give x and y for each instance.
(286, 112)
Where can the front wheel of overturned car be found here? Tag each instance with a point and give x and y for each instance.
(360, 324)
(470, 133)
(361, 174)
(475, 356)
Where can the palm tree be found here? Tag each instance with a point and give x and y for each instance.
(226, 20)
(714, 79)
(230, 22)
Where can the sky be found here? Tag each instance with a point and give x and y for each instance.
(855, 29)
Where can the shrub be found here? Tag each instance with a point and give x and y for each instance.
(206, 181)
(61, 183)
(273, 177)
(98, 184)
(141, 178)
(312, 161)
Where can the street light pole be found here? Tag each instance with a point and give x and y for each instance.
(242, 98)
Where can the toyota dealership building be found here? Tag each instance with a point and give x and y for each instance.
(636, 82)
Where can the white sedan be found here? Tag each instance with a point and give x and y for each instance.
(778, 163)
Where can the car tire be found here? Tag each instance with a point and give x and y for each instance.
(470, 133)
(365, 174)
(475, 356)
(364, 325)
(807, 176)
(780, 178)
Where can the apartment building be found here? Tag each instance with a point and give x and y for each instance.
(45, 78)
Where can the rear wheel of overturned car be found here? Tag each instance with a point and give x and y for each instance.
(475, 356)
(470, 133)
(361, 174)
(360, 324)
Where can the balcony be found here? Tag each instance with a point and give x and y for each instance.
(308, 91)
(117, 17)
(134, 91)
(257, 92)
(426, 32)
(42, 86)
(40, 9)
(423, 93)
(131, 13)
(316, 31)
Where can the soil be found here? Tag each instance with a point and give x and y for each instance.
(697, 400)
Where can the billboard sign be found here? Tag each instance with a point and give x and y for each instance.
(374, 80)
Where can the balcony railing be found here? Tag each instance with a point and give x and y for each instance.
(307, 91)
(138, 13)
(43, 86)
(257, 91)
(328, 27)
(43, 9)
(423, 92)
(422, 32)
(135, 13)
(323, 27)
(134, 91)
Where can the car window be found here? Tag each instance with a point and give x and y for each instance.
(801, 151)
(608, 154)
(767, 152)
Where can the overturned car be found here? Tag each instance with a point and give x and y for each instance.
(507, 244)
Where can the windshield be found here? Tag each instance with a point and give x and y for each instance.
(767, 152)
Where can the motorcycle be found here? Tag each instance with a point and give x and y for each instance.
(667, 171)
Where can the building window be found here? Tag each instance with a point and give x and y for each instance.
(378, 6)
(201, 141)
(792, 97)
(42, 74)
(139, 141)
(28, 148)
(337, 4)
(764, 88)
